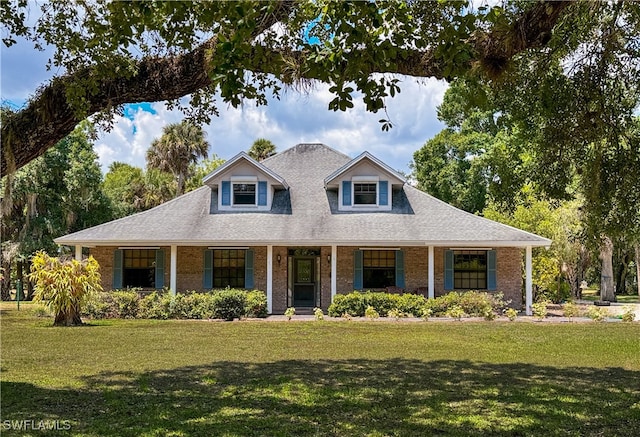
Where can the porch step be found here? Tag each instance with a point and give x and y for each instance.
(306, 311)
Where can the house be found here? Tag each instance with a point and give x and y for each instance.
(304, 225)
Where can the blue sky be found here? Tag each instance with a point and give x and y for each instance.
(293, 119)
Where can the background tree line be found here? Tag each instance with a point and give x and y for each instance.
(64, 190)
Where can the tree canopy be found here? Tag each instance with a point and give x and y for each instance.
(113, 53)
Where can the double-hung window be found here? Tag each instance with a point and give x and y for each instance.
(470, 269)
(139, 268)
(229, 268)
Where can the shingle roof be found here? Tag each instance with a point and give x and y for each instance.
(305, 215)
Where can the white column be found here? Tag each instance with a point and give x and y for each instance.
(528, 282)
(431, 281)
(334, 271)
(79, 253)
(173, 274)
(269, 279)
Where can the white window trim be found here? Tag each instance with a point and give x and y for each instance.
(234, 180)
(364, 207)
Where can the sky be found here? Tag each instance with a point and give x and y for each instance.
(295, 118)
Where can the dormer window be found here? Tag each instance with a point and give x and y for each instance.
(244, 194)
(365, 193)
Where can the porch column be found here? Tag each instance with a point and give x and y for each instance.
(431, 281)
(334, 269)
(269, 279)
(78, 253)
(528, 282)
(173, 273)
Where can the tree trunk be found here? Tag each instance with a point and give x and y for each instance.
(5, 291)
(180, 185)
(607, 290)
(68, 318)
(637, 249)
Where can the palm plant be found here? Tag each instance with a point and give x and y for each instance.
(262, 149)
(180, 145)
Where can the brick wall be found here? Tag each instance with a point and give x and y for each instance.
(191, 262)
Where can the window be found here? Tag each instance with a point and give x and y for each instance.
(364, 194)
(139, 268)
(470, 269)
(244, 194)
(378, 268)
(229, 268)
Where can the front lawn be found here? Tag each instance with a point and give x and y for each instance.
(145, 377)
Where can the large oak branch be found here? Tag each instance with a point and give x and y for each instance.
(49, 117)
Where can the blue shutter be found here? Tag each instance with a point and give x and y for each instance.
(262, 193)
(226, 193)
(160, 269)
(117, 269)
(383, 199)
(207, 282)
(448, 269)
(346, 193)
(400, 269)
(357, 270)
(248, 269)
(491, 270)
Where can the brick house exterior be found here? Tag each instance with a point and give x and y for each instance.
(305, 225)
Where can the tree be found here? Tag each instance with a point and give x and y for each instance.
(261, 149)
(114, 53)
(202, 169)
(64, 286)
(58, 193)
(124, 186)
(180, 145)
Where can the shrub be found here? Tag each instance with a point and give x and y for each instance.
(290, 312)
(473, 303)
(628, 315)
(229, 304)
(540, 309)
(511, 314)
(597, 314)
(126, 304)
(371, 313)
(411, 304)
(570, 310)
(455, 312)
(156, 306)
(490, 315)
(352, 303)
(426, 313)
(100, 305)
(256, 304)
(379, 301)
(441, 304)
(318, 314)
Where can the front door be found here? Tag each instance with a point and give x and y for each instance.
(304, 282)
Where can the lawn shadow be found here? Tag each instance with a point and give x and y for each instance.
(350, 397)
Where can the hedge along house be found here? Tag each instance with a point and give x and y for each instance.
(304, 225)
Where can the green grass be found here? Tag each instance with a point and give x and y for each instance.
(590, 294)
(156, 378)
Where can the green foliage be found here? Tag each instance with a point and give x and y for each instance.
(570, 310)
(539, 309)
(396, 314)
(180, 145)
(455, 312)
(229, 304)
(472, 303)
(290, 312)
(371, 313)
(426, 313)
(511, 314)
(356, 303)
(597, 314)
(256, 304)
(200, 170)
(64, 286)
(127, 304)
(629, 314)
(318, 314)
(261, 149)
(223, 304)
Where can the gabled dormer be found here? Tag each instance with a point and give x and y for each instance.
(364, 184)
(244, 184)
